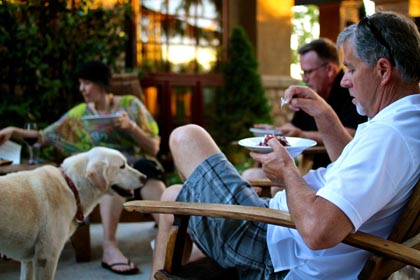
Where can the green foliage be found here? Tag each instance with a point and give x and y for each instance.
(305, 18)
(241, 102)
(42, 43)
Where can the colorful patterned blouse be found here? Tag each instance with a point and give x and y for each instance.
(72, 134)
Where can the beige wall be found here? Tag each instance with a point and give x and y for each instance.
(274, 27)
(268, 25)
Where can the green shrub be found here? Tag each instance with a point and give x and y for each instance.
(241, 102)
(42, 43)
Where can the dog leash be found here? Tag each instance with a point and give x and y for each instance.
(80, 218)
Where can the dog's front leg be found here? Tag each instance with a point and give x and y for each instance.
(45, 268)
(26, 270)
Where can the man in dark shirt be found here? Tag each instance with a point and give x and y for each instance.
(321, 71)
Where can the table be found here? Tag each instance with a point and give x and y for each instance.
(23, 166)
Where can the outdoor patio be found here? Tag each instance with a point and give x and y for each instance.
(135, 243)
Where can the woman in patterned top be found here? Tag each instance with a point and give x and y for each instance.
(133, 132)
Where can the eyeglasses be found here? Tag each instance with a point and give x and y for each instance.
(306, 73)
(378, 36)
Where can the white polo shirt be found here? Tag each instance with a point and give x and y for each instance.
(370, 182)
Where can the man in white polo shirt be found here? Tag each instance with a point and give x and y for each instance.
(365, 187)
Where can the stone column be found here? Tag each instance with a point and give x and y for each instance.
(274, 28)
(268, 25)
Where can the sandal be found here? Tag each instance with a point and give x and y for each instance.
(130, 271)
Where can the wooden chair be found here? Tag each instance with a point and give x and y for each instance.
(307, 159)
(127, 83)
(401, 248)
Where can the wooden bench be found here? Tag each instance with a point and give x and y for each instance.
(401, 248)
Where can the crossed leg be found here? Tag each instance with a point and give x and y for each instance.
(190, 145)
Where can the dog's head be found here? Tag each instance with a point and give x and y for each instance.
(107, 169)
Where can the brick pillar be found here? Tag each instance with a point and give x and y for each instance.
(273, 36)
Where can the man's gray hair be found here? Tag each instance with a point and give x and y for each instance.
(389, 35)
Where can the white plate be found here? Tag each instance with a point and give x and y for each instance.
(100, 119)
(263, 132)
(297, 145)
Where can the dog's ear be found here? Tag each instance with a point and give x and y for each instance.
(96, 172)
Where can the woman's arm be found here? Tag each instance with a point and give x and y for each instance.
(150, 145)
(17, 134)
(143, 129)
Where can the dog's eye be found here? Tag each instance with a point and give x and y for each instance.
(122, 166)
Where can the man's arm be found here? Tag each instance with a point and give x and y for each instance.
(332, 132)
(335, 136)
(320, 223)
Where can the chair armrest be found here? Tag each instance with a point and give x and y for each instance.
(361, 240)
(264, 183)
(318, 149)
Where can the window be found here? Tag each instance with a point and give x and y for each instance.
(181, 36)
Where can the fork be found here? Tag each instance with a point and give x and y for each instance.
(283, 102)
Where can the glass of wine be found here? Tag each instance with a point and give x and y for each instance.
(30, 143)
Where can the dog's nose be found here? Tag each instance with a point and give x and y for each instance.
(143, 179)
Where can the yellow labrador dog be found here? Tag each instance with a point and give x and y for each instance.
(40, 209)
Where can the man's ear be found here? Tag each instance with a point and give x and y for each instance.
(384, 67)
(331, 68)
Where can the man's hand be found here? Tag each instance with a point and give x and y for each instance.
(290, 130)
(277, 164)
(304, 98)
(264, 126)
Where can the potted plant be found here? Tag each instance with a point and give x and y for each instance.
(241, 102)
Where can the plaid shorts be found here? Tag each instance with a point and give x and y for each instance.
(231, 243)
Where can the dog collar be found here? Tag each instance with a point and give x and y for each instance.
(80, 219)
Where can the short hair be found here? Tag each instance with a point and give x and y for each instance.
(96, 71)
(401, 37)
(324, 48)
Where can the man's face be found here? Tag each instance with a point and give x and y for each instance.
(359, 78)
(315, 73)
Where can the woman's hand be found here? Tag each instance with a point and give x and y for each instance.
(124, 123)
(147, 143)
(6, 134)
